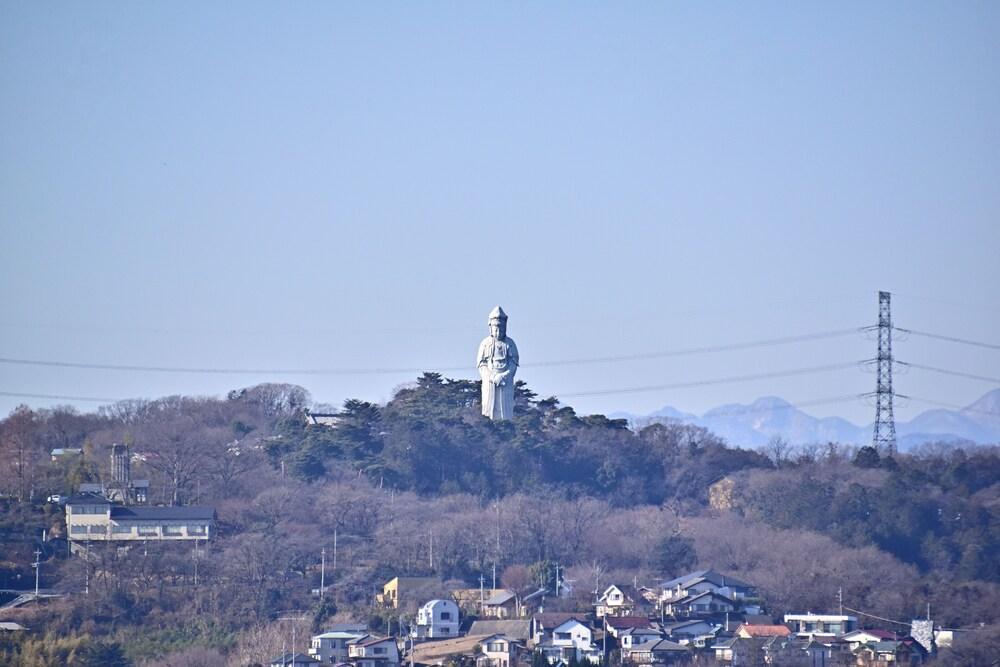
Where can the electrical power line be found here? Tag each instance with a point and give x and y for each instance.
(725, 380)
(785, 340)
(952, 339)
(629, 390)
(945, 371)
(702, 350)
(55, 397)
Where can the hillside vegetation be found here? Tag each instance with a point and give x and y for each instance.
(424, 485)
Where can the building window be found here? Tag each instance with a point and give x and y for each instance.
(445, 615)
(172, 530)
(379, 650)
(565, 636)
(119, 529)
(77, 529)
(97, 530)
(148, 531)
(197, 529)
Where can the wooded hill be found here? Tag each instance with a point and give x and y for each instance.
(551, 486)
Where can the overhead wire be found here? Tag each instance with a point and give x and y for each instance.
(723, 380)
(768, 342)
(945, 371)
(952, 339)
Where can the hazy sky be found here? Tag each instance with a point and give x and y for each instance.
(332, 185)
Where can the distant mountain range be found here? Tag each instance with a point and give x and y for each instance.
(753, 425)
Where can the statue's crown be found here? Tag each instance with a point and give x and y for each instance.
(497, 314)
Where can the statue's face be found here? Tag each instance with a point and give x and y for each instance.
(497, 329)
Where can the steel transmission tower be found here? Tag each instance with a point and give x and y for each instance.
(884, 437)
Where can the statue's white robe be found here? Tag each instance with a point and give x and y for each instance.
(498, 359)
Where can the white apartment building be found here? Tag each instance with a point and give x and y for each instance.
(90, 517)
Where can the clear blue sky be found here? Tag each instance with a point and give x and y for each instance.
(324, 185)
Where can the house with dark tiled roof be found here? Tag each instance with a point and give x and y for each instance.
(502, 604)
(293, 660)
(374, 652)
(92, 517)
(659, 652)
(708, 580)
(699, 604)
(616, 624)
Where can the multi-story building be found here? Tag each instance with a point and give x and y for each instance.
(436, 619)
(93, 518)
(374, 652)
(332, 647)
(821, 625)
(570, 640)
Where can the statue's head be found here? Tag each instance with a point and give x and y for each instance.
(498, 323)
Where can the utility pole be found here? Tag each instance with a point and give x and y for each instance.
(557, 580)
(481, 597)
(431, 551)
(335, 549)
(494, 575)
(37, 565)
(884, 436)
(840, 599)
(322, 574)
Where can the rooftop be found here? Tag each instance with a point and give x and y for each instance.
(162, 513)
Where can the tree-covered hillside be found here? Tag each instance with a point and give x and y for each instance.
(424, 485)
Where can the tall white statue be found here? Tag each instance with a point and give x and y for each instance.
(497, 362)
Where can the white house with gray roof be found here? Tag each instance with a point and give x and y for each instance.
(332, 646)
(93, 518)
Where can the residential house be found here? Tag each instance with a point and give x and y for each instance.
(828, 653)
(630, 637)
(331, 647)
(709, 580)
(533, 603)
(659, 652)
(399, 590)
(502, 604)
(499, 651)
(542, 625)
(293, 660)
(724, 647)
(517, 630)
(436, 619)
(693, 631)
(90, 517)
(491, 650)
(615, 625)
(821, 625)
(64, 453)
(374, 652)
(470, 600)
(624, 601)
(703, 603)
(900, 652)
(570, 640)
(756, 631)
(856, 638)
